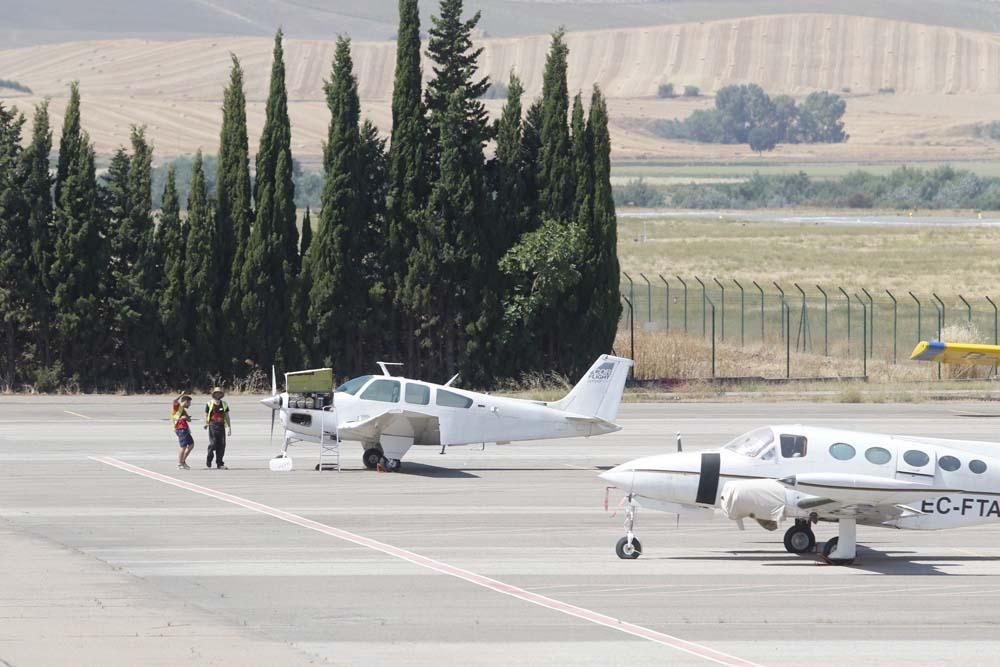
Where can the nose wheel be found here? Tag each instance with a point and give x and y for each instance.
(371, 458)
(629, 547)
(800, 539)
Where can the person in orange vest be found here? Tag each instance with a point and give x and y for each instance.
(181, 421)
(217, 423)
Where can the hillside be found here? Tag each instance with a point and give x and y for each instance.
(52, 21)
(175, 87)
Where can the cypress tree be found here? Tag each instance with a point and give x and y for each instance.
(272, 249)
(513, 211)
(171, 237)
(15, 247)
(80, 257)
(378, 321)
(201, 274)
(144, 261)
(604, 306)
(234, 197)
(336, 292)
(71, 139)
(531, 154)
(305, 238)
(583, 161)
(557, 170)
(408, 148)
(38, 192)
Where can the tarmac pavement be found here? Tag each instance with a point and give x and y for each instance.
(113, 556)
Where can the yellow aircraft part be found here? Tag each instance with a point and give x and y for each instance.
(956, 353)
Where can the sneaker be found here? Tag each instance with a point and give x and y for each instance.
(223, 467)
(185, 466)
(180, 466)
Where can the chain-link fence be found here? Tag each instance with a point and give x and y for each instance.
(851, 326)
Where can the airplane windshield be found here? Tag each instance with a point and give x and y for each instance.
(352, 386)
(752, 444)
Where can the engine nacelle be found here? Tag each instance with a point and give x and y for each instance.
(761, 499)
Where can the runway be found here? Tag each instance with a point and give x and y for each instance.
(472, 558)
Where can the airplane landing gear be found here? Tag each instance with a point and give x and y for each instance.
(628, 547)
(371, 458)
(800, 539)
(842, 550)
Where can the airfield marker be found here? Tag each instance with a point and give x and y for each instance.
(692, 648)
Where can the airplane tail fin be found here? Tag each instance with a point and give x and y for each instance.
(599, 393)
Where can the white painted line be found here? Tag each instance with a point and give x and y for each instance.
(77, 414)
(443, 568)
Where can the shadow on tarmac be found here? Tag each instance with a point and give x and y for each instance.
(903, 563)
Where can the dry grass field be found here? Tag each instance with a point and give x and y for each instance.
(945, 80)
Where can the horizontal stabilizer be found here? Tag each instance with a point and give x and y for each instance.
(956, 353)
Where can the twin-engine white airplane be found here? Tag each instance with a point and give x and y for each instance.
(808, 474)
(389, 414)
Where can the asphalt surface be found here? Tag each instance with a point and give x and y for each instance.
(476, 557)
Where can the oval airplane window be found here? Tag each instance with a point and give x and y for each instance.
(916, 458)
(842, 451)
(977, 466)
(878, 455)
(949, 463)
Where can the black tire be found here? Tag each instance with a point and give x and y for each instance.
(799, 540)
(627, 552)
(371, 458)
(829, 548)
(391, 465)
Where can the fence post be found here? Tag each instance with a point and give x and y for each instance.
(685, 303)
(722, 307)
(742, 312)
(782, 292)
(848, 318)
(649, 298)
(713, 335)
(894, 311)
(864, 335)
(826, 322)
(803, 332)
(871, 325)
(631, 287)
(666, 303)
(704, 301)
(918, 314)
(761, 290)
(786, 312)
(631, 333)
(940, 322)
(967, 305)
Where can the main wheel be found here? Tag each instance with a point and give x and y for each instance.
(799, 539)
(391, 465)
(628, 551)
(829, 548)
(371, 458)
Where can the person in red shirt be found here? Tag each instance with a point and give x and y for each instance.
(182, 428)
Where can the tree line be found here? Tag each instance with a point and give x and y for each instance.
(461, 244)
(745, 114)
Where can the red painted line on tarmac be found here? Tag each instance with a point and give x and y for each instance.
(443, 568)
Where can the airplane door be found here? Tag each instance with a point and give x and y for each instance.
(915, 462)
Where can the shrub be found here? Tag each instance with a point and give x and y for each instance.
(637, 192)
(666, 90)
(14, 85)
(496, 91)
(691, 91)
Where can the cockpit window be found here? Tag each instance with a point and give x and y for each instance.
(752, 444)
(352, 386)
(793, 446)
(386, 391)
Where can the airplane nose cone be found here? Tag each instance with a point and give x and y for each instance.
(273, 402)
(620, 477)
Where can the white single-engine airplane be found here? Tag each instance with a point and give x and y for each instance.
(388, 414)
(810, 474)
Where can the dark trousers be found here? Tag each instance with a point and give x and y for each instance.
(216, 444)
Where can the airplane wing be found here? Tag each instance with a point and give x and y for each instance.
(956, 353)
(372, 428)
(871, 500)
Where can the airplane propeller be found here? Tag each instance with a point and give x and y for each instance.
(273, 401)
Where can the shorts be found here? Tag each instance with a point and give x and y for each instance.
(184, 438)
